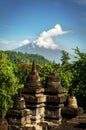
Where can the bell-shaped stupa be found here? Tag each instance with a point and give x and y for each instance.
(33, 79)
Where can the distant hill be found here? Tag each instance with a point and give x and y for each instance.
(52, 55)
(19, 57)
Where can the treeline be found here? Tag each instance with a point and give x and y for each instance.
(15, 68)
(19, 57)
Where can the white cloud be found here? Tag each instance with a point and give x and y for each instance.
(7, 44)
(46, 38)
(4, 41)
(10, 44)
(25, 42)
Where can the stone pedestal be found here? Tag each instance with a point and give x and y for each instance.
(68, 113)
(35, 102)
(19, 116)
(55, 97)
(71, 109)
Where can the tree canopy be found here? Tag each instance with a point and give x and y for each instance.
(19, 57)
(9, 83)
(72, 75)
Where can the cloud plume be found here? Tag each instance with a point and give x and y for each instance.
(46, 37)
(24, 42)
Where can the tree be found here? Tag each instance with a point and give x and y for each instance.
(79, 76)
(65, 77)
(24, 70)
(65, 72)
(9, 84)
(65, 58)
(19, 57)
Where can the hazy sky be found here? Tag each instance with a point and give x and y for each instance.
(48, 23)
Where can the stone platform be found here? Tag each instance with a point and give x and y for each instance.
(69, 113)
(78, 123)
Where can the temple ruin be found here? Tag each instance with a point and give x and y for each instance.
(38, 108)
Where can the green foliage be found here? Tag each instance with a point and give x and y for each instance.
(19, 57)
(65, 77)
(79, 75)
(46, 69)
(9, 83)
(65, 58)
(80, 55)
(65, 71)
(72, 74)
(24, 70)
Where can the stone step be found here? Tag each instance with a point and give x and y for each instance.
(78, 123)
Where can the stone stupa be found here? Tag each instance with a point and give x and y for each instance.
(55, 98)
(33, 80)
(34, 97)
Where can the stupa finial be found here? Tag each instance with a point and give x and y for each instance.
(34, 66)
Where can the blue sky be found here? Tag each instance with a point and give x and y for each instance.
(22, 21)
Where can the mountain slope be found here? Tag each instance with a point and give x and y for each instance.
(52, 55)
